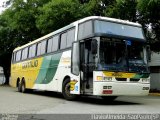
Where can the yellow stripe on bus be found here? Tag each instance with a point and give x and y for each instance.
(119, 74)
(28, 69)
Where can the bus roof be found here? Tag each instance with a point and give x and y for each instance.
(110, 20)
(76, 23)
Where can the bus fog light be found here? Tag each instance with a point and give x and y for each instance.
(108, 78)
(145, 80)
(145, 88)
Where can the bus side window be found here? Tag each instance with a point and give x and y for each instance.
(63, 40)
(18, 56)
(25, 53)
(32, 51)
(85, 29)
(41, 49)
(70, 37)
(53, 44)
(38, 49)
(49, 46)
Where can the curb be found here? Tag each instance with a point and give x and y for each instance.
(154, 94)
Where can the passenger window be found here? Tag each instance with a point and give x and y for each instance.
(41, 49)
(32, 51)
(24, 53)
(13, 57)
(63, 41)
(18, 56)
(55, 43)
(49, 47)
(85, 29)
(70, 37)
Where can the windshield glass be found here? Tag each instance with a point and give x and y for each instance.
(121, 55)
(136, 57)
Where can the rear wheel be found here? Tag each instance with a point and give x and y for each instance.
(23, 87)
(19, 88)
(109, 98)
(66, 90)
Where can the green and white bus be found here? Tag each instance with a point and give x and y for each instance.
(97, 56)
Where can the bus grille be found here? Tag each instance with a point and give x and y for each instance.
(134, 80)
(121, 79)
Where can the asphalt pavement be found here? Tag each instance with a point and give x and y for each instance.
(39, 102)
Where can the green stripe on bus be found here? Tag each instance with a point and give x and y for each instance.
(145, 75)
(48, 69)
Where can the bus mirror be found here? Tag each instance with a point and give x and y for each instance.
(94, 46)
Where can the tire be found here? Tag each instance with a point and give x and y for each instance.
(109, 98)
(19, 87)
(66, 90)
(23, 87)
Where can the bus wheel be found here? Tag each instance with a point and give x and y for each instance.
(23, 87)
(66, 90)
(109, 98)
(19, 87)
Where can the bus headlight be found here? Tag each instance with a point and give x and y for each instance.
(145, 79)
(99, 78)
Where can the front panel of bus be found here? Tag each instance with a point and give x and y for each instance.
(113, 59)
(122, 64)
(121, 68)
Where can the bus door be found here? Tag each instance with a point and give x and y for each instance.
(87, 65)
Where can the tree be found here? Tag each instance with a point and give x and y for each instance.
(57, 14)
(17, 27)
(149, 16)
(122, 9)
(6, 42)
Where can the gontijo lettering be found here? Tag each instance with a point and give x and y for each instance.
(30, 64)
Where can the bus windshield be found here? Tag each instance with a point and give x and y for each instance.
(121, 55)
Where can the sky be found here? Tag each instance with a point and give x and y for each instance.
(1, 1)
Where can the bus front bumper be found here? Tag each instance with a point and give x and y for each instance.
(120, 88)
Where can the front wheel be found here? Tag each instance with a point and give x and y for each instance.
(66, 90)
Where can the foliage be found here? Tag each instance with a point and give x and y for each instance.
(56, 14)
(17, 27)
(149, 14)
(122, 9)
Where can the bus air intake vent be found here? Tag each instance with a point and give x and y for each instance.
(134, 80)
(121, 79)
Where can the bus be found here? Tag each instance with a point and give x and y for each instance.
(97, 56)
